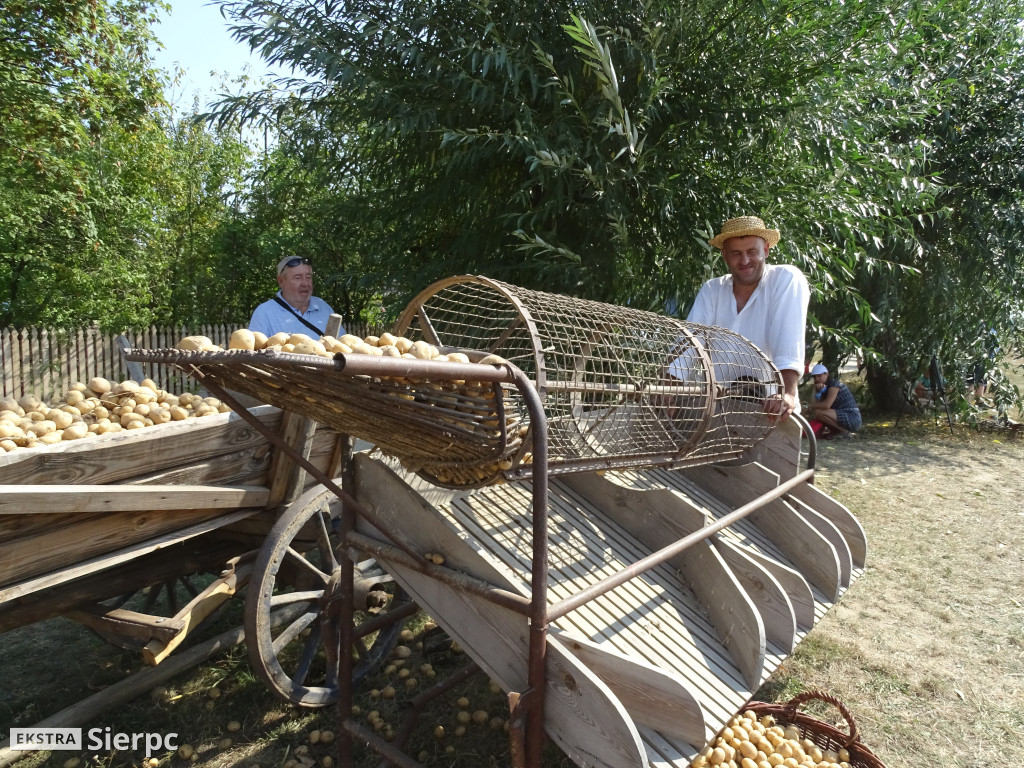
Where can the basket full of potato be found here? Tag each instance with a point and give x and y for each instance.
(455, 431)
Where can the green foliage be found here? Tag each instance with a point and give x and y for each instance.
(79, 149)
(592, 147)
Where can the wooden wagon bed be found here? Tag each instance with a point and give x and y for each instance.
(86, 520)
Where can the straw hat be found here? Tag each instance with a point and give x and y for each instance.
(744, 226)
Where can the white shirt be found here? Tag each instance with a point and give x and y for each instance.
(774, 318)
(270, 317)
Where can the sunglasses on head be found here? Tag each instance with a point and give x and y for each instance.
(296, 261)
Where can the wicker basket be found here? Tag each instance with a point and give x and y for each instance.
(461, 434)
(821, 733)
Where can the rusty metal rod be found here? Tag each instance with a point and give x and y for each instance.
(539, 613)
(570, 604)
(382, 550)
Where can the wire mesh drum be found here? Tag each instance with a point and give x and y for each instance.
(621, 387)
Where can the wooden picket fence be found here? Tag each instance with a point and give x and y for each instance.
(45, 362)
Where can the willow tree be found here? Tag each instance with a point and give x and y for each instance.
(591, 147)
(81, 150)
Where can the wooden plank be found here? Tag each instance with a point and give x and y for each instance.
(118, 621)
(744, 536)
(120, 456)
(798, 591)
(840, 516)
(297, 431)
(811, 552)
(653, 697)
(205, 553)
(84, 499)
(654, 617)
(831, 533)
(764, 590)
(54, 549)
(195, 612)
(739, 624)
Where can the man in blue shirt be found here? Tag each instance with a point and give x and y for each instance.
(294, 309)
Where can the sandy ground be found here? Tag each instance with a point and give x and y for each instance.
(927, 647)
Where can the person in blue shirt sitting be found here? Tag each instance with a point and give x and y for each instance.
(294, 309)
(833, 404)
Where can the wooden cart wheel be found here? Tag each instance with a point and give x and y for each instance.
(295, 577)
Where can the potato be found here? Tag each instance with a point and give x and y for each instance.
(423, 351)
(493, 360)
(177, 413)
(159, 415)
(194, 343)
(75, 431)
(61, 419)
(277, 340)
(29, 402)
(242, 338)
(310, 347)
(132, 418)
(259, 340)
(298, 338)
(9, 404)
(42, 427)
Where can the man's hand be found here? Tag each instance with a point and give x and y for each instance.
(781, 406)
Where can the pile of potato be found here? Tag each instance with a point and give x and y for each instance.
(748, 741)
(385, 345)
(96, 408)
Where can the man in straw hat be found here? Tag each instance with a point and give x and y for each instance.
(766, 303)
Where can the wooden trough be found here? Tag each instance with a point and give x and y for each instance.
(84, 522)
(647, 673)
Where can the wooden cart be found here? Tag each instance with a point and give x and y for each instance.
(86, 524)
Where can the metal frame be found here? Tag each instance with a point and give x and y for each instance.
(527, 707)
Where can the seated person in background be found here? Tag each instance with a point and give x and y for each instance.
(294, 309)
(833, 404)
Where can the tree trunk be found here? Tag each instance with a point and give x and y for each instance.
(887, 390)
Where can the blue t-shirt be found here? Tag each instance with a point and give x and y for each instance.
(270, 317)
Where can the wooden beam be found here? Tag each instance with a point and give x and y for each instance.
(63, 499)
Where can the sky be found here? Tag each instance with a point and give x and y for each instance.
(196, 38)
